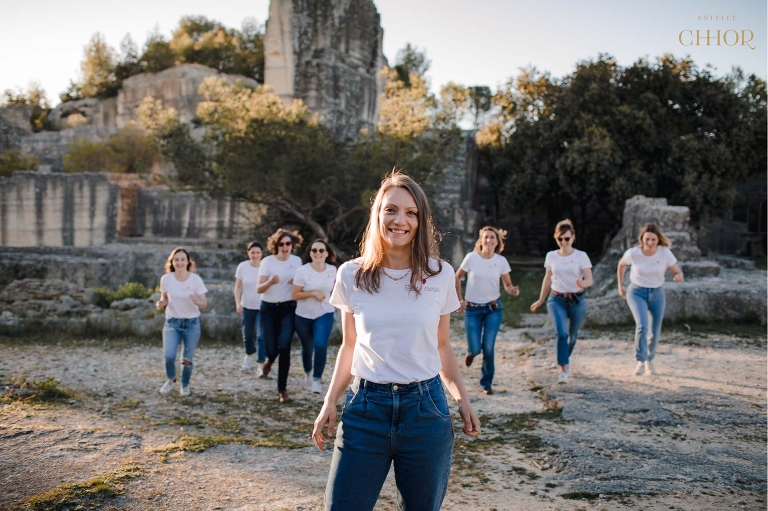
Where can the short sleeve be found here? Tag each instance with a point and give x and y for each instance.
(163, 284)
(585, 262)
(340, 295)
(465, 264)
(505, 268)
(627, 257)
(299, 279)
(451, 303)
(264, 267)
(547, 261)
(200, 288)
(671, 259)
(239, 271)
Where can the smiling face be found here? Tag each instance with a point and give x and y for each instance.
(180, 261)
(565, 239)
(650, 241)
(398, 217)
(254, 255)
(318, 252)
(284, 247)
(489, 240)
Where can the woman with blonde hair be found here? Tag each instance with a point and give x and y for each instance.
(482, 301)
(395, 300)
(568, 274)
(645, 295)
(277, 307)
(182, 294)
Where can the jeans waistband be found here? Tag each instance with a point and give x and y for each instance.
(492, 304)
(278, 304)
(403, 388)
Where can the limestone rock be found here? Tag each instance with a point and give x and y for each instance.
(50, 146)
(14, 126)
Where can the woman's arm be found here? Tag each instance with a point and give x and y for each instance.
(620, 270)
(265, 283)
(297, 293)
(508, 287)
(546, 284)
(162, 302)
(452, 378)
(238, 293)
(459, 274)
(199, 300)
(587, 281)
(342, 373)
(677, 272)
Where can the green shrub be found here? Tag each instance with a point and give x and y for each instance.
(16, 159)
(104, 296)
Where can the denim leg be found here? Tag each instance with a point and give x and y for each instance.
(305, 331)
(576, 314)
(262, 350)
(171, 339)
(558, 312)
(322, 331)
(286, 324)
(361, 455)
(657, 302)
(491, 325)
(637, 300)
(473, 324)
(269, 329)
(422, 466)
(191, 336)
(250, 317)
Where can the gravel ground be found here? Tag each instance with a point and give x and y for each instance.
(691, 437)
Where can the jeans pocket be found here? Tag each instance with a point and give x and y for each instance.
(351, 399)
(438, 402)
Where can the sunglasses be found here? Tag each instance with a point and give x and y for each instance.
(316, 250)
(565, 238)
(285, 244)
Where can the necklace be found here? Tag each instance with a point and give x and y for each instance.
(398, 278)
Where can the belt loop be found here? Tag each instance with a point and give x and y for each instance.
(421, 388)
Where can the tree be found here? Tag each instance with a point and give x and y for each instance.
(410, 60)
(98, 69)
(35, 97)
(157, 55)
(16, 159)
(130, 151)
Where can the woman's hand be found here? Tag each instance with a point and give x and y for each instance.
(318, 296)
(678, 277)
(622, 292)
(462, 306)
(471, 422)
(274, 280)
(161, 303)
(535, 305)
(580, 283)
(194, 299)
(514, 291)
(239, 310)
(327, 415)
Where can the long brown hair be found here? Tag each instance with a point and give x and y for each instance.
(500, 235)
(654, 229)
(423, 246)
(169, 262)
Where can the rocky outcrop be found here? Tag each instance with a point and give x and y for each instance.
(14, 126)
(328, 54)
(101, 113)
(50, 146)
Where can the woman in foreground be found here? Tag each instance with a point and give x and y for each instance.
(395, 301)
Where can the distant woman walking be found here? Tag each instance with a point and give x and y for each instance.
(645, 294)
(248, 305)
(568, 274)
(277, 307)
(312, 287)
(482, 304)
(182, 293)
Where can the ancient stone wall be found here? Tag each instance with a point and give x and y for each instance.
(57, 209)
(14, 126)
(49, 147)
(328, 54)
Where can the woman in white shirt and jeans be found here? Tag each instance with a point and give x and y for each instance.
(568, 274)
(395, 303)
(248, 304)
(645, 294)
(182, 293)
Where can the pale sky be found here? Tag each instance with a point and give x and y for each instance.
(471, 42)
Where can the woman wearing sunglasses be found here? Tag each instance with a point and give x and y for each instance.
(569, 273)
(312, 287)
(277, 307)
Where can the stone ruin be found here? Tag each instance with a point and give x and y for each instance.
(725, 288)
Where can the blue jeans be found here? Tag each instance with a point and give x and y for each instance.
(482, 324)
(250, 325)
(277, 325)
(178, 330)
(408, 424)
(314, 334)
(567, 317)
(647, 305)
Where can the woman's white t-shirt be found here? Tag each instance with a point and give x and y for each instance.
(310, 280)
(648, 271)
(566, 270)
(285, 270)
(179, 305)
(396, 328)
(483, 277)
(250, 278)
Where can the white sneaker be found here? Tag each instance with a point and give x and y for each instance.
(317, 387)
(184, 390)
(639, 369)
(259, 369)
(247, 363)
(167, 387)
(649, 368)
(308, 381)
(563, 378)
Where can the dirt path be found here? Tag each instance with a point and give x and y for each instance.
(692, 437)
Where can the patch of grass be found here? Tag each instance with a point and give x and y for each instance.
(199, 443)
(529, 280)
(45, 391)
(524, 472)
(103, 296)
(92, 494)
(580, 495)
(761, 263)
